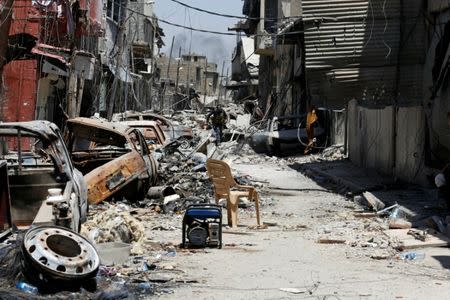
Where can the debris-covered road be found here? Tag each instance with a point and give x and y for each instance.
(326, 230)
(286, 261)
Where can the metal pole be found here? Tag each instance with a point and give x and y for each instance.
(220, 83)
(168, 74)
(206, 71)
(188, 80)
(226, 84)
(170, 57)
(178, 71)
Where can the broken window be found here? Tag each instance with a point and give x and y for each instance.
(114, 10)
(271, 15)
(197, 75)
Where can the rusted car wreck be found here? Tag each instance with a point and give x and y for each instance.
(44, 186)
(171, 131)
(114, 159)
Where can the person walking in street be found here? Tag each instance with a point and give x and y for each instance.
(218, 120)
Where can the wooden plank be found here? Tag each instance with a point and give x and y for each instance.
(330, 241)
(366, 215)
(406, 241)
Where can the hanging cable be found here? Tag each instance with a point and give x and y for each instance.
(205, 30)
(384, 31)
(232, 16)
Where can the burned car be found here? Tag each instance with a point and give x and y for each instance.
(44, 186)
(114, 159)
(152, 132)
(171, 131)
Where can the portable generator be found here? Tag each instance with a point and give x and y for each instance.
(202, 226)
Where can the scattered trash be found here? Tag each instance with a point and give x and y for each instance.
(113, 253)
(27, 288)
(294, 290)
(116, 225)
(412, 256)
(420, 235)
(107, 271)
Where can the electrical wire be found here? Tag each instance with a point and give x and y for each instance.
(385, 28)
(231, 16)
(371, 29)
(205, 30)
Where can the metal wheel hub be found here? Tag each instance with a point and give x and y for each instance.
(61, 253)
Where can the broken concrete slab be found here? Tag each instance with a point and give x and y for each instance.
(373, 202)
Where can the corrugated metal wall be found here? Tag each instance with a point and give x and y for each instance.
(352, 50)
(21, 85)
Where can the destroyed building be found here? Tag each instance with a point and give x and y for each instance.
(58, 55)
(366, 59)
(244, 70)
(190, 77)
(201, 74)
(143, 188)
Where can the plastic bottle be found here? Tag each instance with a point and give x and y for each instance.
(27, 288)
(413, 256)
(394, 214)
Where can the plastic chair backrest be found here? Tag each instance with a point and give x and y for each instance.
(220, 174)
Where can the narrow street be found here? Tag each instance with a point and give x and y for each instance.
(286, 262)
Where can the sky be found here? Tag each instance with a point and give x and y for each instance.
(216, 47)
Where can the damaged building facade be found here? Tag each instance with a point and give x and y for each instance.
(365, 58)
(189, 70)
(59, 55)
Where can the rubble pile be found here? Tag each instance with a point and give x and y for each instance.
(186, 176)
(114, 223)
(333, 153)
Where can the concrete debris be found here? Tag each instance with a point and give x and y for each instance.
(137, 236)
(373, 202)
(333, 153)
(116, 225)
